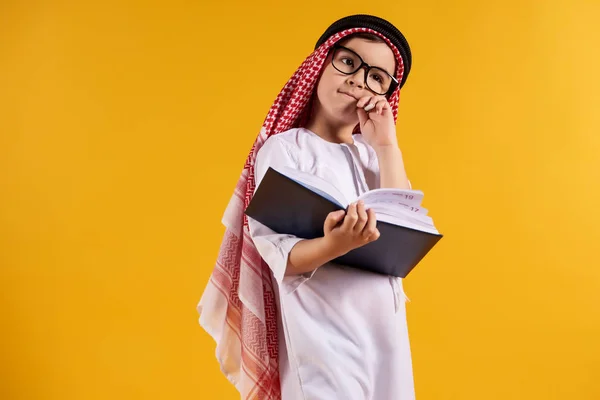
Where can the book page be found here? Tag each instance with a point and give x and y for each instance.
(316, 184)
(406, 216)
(407, 223)
(412, 198)
(399, 205)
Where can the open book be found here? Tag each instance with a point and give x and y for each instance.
(293, 202)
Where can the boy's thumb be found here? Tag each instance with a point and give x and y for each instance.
(333, 219)
(362, 116)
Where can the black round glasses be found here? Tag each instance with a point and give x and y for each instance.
(378, 80)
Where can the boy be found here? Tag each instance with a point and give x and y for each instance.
(288, 322)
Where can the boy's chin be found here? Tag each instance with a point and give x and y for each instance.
(345, 115)
(349, 119)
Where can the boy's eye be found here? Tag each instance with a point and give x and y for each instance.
(377, 78)
(348, 61)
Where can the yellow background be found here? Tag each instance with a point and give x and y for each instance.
(124, 127)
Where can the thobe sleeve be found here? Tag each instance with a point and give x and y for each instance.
(273, 247)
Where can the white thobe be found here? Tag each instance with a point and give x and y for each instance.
(342, 331)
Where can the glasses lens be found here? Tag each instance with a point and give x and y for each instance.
(379, 81)
(345, 61)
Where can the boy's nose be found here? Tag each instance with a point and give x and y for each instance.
(357, 79)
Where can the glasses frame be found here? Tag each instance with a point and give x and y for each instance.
(366, 67)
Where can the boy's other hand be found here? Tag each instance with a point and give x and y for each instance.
(377, 121)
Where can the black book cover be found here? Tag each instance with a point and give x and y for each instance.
(288, 207)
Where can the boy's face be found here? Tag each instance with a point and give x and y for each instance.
(337, 93)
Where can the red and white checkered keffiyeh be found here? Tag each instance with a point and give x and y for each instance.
(238, 305)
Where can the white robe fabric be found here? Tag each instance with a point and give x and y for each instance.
(342, 332)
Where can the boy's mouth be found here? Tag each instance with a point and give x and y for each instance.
(349, 95)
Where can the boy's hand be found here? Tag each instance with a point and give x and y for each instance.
(358, 228)
(377, 121)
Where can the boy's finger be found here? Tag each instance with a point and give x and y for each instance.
(363, 101)
(374, 236)
(333, 218)
(371, 227)
(374, 102)
(363, 217)
(350, 218)
(381, 105)
(370, 106)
